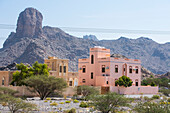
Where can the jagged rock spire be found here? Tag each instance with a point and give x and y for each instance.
(29, 23)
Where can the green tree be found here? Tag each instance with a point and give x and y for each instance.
(161, 82)
(16, 104)
(26, 71)
(124, 81)
(153, 84)
(87, 90)
(108, 103)
(144, 82)
(149, 107)
(45, 85)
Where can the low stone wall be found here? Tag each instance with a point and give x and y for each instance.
(22, 90)
(133, 90)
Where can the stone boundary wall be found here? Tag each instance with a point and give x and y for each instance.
(133, 90)
(22, 90)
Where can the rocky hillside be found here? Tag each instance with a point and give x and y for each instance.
(32, 42)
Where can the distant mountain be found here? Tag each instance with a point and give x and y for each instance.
(90, 37)
(32, 42)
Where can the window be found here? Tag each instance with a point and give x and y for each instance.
(64, 69)
(3, 81)
(136, 83)
(91, 75)
(107, 82)
(84, 69)
(92, 59)
(130, 69)
(70, 83)
(53, 67)
(116, 68)
(60, 69)
(103, 68)
(136, 69)
(84, 81)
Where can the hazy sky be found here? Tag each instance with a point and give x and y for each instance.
(107, 14)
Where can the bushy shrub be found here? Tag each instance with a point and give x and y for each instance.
(168, 100)
(4, 104)
(48, 98)
(75, 101)
(149, 107)
(67, 101)
(45, 101)
(61, 103)
(164, 103)
(53, 104)
(147, 98)
(155, 97)
(73, 110)
(84, 104)
(165, 91)
(153, 84)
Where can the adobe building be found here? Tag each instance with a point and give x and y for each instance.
(59, 69)
(102, 70)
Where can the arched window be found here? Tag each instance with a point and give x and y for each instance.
(92, 59)
(53, 67)
(107, 82)
(130, 69)
(116, 68)
(60, 69)
(91, 75)
(136, 82)
(70, 82)
(103, 68)
(84, 69)
(136, 70)
(3, 81)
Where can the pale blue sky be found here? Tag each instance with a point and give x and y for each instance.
(107, 14)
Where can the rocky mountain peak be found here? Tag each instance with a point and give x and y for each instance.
(90, 37)
(29, 23)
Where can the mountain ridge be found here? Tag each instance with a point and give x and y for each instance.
(52, 41)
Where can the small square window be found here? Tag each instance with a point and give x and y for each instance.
(84, 81)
